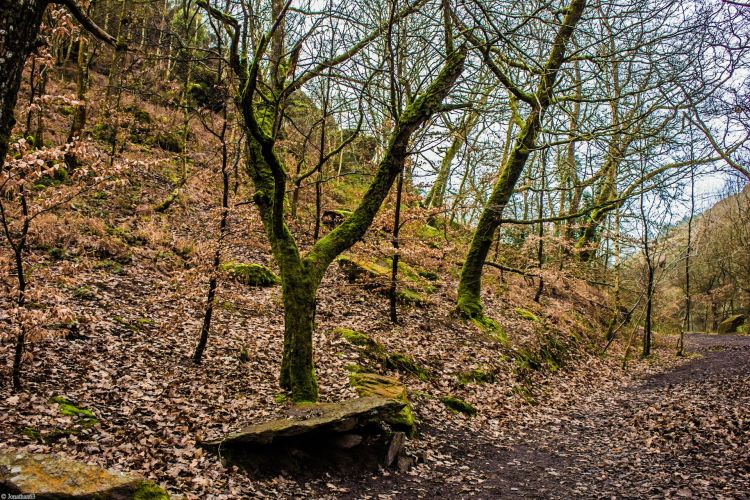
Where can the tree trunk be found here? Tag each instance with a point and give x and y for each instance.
(82, 84)
(649, 309)
(395, 243)
(19, 27)
(470, 284)
(469, 301)
(297, 365)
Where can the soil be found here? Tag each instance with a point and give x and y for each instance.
(682, 433)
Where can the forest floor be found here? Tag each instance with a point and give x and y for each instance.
(684, 433)
(132, 279)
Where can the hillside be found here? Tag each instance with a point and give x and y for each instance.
(120, 282)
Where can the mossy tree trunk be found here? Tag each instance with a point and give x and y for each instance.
(82, 83)
(470, 284)
(301, 274)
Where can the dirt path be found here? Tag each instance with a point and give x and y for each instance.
(683, 433)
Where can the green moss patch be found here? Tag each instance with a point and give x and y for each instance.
(407, 296)
(372, 384)
(476, 376)
(67, 408)
(526, 314)
(150, 491)
(375, 351)
(374, 275)
(110, 265)
(457, 405)
(83, 420)
(406, 364)
(429, 275)
(490, 327)
(83, 293)
(377, 276)
(356, 338)
(251, 274)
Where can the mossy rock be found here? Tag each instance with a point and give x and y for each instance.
(102, 132)
(371, 384)
(476, 376)
(110, 265)
(169, 141)
(732, 324)
(315, 418)
(357, 338)
(141, 116)
(377, 275)
(332, 218)
(414, 276)
(457, 405)
(251, 274)
(406, 364)
(51, 476)
(527, 315)
(374, 275)
(407, 296)
(428, 232)
(429, 275)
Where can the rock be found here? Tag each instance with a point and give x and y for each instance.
(377, 352)
(316, 418)
(332, 218)
(376, 276)
(372, 384)
(371, 275)
(358, 339)
(395, 447)
(404, 463)
(53, 477)
(732, 324)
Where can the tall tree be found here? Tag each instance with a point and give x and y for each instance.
(261, 106)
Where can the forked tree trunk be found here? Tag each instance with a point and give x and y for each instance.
(301, 274)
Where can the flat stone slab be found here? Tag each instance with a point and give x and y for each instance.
(51, 476)
(332, 418)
